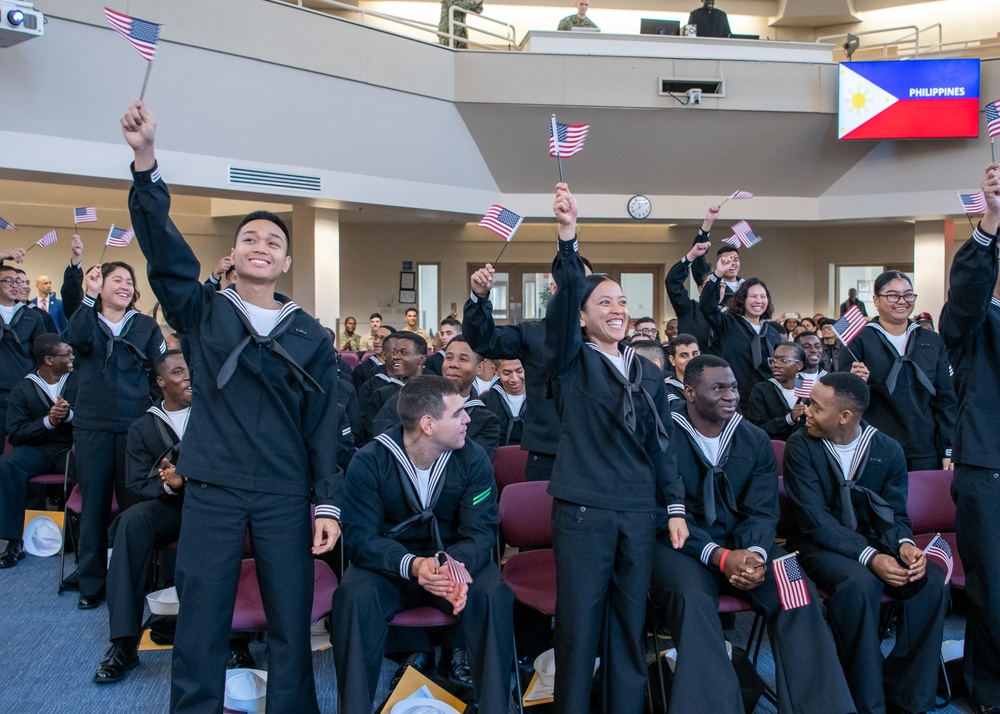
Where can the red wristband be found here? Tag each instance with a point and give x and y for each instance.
(722, 561)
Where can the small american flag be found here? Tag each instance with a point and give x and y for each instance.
(993, 119)
(791, 582)
(141, 34)
(501, 221)
(119, 237)
(4, 225)
(939, 548)
(973, 203)
(742, 236)
(456, 571)
(803, 386)
(566, 139)
(740, 195)
(84, 215)
(848, 327)
(47, 239)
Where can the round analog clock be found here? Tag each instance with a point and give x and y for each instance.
(639, 207)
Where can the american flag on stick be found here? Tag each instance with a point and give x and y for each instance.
(85, 215)
(4, 225)
(791, 582)
(939, 548)
(119, 237)
(993, 119)
(501, 221)
(456, 571)
(47, 239)
(566, 139)
(973, 203)
(848, 327)
(803, 386)
(141, 34)
(739, 196)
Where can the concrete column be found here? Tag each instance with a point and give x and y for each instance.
(930, 270)
(316, 262)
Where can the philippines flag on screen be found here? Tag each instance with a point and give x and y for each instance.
(791, 582)
(916, 99)
(84, 215)
(848, 327)
(973, 203)
(119, 237)
(501, 221)
(993, 118)
(939, 548)
(141, 34)
(566, 139)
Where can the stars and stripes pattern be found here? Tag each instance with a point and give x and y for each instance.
(566, 139)
(456, 570)
(743, 236)
(141, 34)
(47, 239)
(119, 237)
(791, 582)
(939, 548)
(740, 195)
(848, 327)
(973, 203)
(85, 215)
(803, 386)
(501, 221)
(6, 226)
(993, 119)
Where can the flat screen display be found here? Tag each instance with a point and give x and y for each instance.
(909, 99)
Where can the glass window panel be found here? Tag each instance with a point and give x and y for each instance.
(427, 296)
(535, 293)
(499, 295)
(638, 289)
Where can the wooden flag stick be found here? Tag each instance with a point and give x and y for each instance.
(101, 261)
(973, 225)
(149, 68)
(724, 201)
(29, 248)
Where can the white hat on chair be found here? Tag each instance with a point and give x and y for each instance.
(163, 602)
(246, 690)
(42, 537)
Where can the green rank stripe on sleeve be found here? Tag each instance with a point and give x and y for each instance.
(476, 500)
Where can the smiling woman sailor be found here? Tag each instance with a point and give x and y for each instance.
(611, 470)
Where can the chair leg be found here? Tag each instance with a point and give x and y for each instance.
(661, 677)
(947, 686)
(517, 676)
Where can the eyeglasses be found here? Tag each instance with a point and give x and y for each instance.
(646, 330)
(13, 281)
(896, 297)
(771, 361)
(67, 353)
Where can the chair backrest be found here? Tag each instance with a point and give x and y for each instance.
(785, 516)
(349, 358)
(508, 466)
(779, 455)
(929, 504)
(526, 514)
(367, 354)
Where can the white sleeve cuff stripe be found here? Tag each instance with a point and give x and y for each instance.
(676, 509)
(155, 176)
(473, 297)
(906, 540)
(706, 553)
(866, 556)
(89, 301)
(759, 551)
(404, 566)
(328, 512)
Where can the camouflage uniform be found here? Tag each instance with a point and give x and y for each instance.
(475, 6)
(568, 23)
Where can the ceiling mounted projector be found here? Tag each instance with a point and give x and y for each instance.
(19, 21)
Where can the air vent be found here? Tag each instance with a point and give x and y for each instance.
(677, 85)
(256, 177)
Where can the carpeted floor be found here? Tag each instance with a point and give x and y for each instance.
(49, 650)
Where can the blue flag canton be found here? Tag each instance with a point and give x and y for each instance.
(792, 570)
(144, 31)
(942, 544)
(508, 218)
(992, 114)
(117, 232)
(561, 131)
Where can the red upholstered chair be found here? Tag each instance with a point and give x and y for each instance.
(367, 354)
(71, 528)
(779, 455)
(931, 509)
(508, 466)
(350, 359)
(248, 613)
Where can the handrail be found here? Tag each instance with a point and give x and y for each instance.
(509, 37)
(916, 33)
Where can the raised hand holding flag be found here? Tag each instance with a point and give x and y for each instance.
(848, 327)
(503, 222)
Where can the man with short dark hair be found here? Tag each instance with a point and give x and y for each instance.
(349, 339)
(580, 19)
(413, 494)
(412, 316)
(266, 377)
(375, 363)
(681, 350)
(39, 422)
(367, 342)
(812, 349)
(831, 345)
(690, 321)
(20, 326)
(645, 329)
(447, 330)
(852, 301)
(731, 485)
(672, 329)
(848, 484)
(508, 400)
(408, 354)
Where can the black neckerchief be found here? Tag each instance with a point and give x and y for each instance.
(632, 387)
(901, 359)
(8, 328)
(714, 483)
(849, 489)
(137, 354)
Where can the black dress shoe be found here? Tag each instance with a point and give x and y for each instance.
(89, 602)
(117, 662)
(11, 553)
(457, 670)
(423, 662)
(239, 655)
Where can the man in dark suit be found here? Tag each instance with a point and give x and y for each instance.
(48, 302)
(413, 494)
(710, 22)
